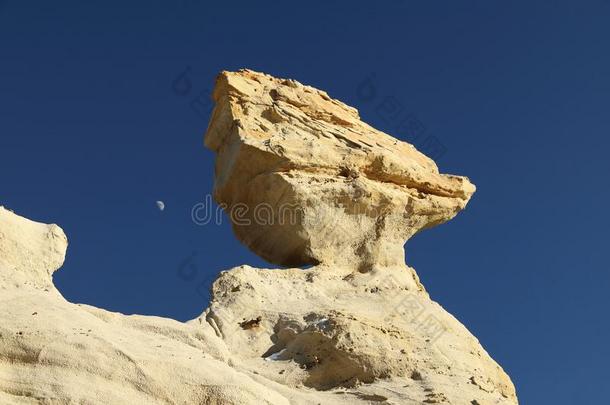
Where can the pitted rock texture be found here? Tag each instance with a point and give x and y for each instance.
(283, 337)
(356, 328)
(369, 334)
(320, 185)
(55, 352)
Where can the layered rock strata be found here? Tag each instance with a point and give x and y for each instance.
(305, 183)
(338, 191)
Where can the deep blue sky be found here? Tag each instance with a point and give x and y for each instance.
(92, 134)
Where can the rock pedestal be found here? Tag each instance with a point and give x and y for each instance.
(305, 182)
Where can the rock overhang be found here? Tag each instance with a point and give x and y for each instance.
(280, 144)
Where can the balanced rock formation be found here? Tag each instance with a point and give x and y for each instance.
(320, 185)
(305, 183)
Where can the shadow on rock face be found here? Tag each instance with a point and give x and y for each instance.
(335, 350)
(305, 181)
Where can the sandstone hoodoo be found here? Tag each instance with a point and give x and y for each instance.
(305, 182)
(357, 193)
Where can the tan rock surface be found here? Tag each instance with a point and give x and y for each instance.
(356, 328)
(358, 193)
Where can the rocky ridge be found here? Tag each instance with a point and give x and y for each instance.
(306, 183)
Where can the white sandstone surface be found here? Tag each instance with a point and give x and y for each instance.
(356, 328)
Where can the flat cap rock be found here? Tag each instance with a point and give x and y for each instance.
(306, 181)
